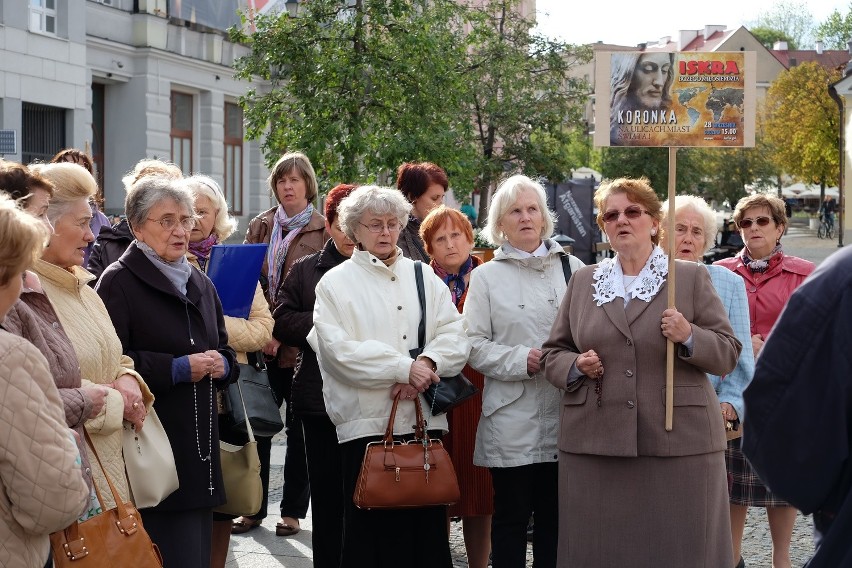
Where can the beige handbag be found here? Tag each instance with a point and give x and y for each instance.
(149, 462)
(241, 474)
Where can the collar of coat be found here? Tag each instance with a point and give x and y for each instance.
(508, 253)
(329, 256)
(141, 266)
(72, 278)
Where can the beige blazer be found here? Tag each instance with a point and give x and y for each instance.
(631, 418)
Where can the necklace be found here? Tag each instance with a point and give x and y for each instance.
(206, 458)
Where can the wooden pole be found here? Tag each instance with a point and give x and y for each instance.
(670, 230)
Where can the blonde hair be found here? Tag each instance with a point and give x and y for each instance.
(71, 183)
(151, 167)
(224, 225)
(22, 239)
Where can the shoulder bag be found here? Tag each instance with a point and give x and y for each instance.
(241, 475)
(400, 475)
(112, 538)
(251, 398)
(451, 391)
(149, 461)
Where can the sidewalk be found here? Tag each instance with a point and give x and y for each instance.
(260, 548)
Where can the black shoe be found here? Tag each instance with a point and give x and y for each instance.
(741, 563)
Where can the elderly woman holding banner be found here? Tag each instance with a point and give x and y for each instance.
(631, 493)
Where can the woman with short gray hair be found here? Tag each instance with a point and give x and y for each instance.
(169, 320)
(366, 317)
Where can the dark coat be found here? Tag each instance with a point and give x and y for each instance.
(798, 427)
(294, 318)
(109, 246)
(156, 324)
(410, 242)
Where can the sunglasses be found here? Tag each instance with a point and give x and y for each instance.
(761, 222)
(632, 212)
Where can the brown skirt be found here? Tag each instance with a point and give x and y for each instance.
(644, 511)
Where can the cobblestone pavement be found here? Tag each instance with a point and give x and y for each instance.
(260, 548)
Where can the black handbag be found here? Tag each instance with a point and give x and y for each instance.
(258, 400)
(451, 391)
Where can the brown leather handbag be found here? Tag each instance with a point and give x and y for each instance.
(400, 475)
(109, 539)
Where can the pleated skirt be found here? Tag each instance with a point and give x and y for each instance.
(644, 512)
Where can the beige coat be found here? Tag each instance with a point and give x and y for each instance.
(85, 319)
(41, 485)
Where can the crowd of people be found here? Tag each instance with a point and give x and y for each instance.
(564, 444)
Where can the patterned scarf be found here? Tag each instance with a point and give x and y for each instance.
(279, 243)
(454, 281)
(761, 265)
(201, 249)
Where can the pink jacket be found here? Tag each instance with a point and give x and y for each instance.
(768, 292)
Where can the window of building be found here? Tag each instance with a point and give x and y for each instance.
(42, 132)
(43, 16)
(234, 157)
(181, 132)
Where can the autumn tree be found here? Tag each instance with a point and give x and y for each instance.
(801, 123)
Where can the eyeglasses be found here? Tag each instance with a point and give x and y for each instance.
(378, 227)
(632, 212)
(169, 223)
(761, 222)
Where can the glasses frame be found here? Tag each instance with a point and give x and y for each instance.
(170, 224)
(762, 221)
(632, 212)
(381, 230)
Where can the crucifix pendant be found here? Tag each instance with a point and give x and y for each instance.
(211, 489)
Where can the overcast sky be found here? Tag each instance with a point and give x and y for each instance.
(628, 22)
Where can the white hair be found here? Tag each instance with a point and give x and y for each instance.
(371, 199)
(687, 202)
(505, 196)
(225, 225)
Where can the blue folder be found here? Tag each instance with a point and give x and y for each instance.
(235, 270)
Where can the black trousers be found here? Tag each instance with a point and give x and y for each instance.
(414, 538)
(297, 488)
(326, 474)
(183, 536)
(521, 492)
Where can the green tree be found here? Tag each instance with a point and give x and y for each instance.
(801, 124)
(361, 86)
(792, 18)
(768, 36)
(524, 101)
(653, 163)
(836, 30)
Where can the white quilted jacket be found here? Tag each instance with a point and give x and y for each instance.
(41, 486)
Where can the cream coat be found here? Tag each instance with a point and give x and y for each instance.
(86, 322)
(247, 335)
(365, 322)
(41, 484)
(511, 304)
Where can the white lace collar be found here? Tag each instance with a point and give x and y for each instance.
(609, 279)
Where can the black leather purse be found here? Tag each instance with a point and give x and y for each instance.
(451, 391)
(258, 401)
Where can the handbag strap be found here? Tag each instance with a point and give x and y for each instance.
(245, 412)
(421, 295)
(419, 427)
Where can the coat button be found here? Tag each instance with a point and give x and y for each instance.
(630, 404)
(56, 325)
(753, 289)
(629, 342)
(405, 337)
(628, 372)
(88, 471)
(393, 278)
(374, 261)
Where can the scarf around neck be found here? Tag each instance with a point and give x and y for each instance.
(202, 248)
(279, 243)
(455, 282)
(177, 272)
(761, 265)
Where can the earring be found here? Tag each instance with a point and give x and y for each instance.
(653, 232)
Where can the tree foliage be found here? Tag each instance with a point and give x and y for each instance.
(836, 30)
(791, 18)
(801, 123)
(768, 36)
(363, 85)
(653, 163)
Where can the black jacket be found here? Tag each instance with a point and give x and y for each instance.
(157, 324)
(294, 318)
(798, 415)
(109, 246)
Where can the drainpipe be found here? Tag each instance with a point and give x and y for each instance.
(832, 91)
